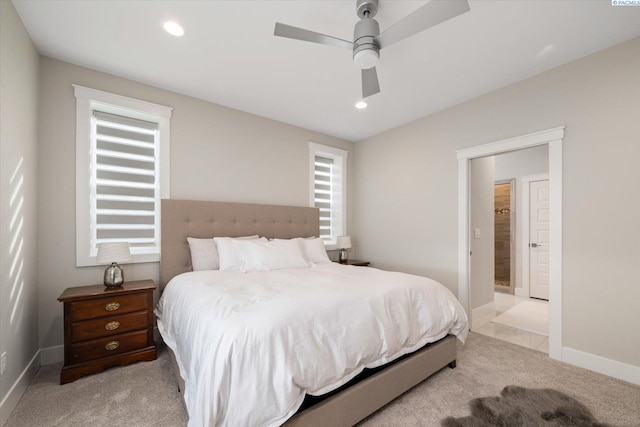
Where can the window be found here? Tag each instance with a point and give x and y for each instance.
(328, 190)
(122, 172)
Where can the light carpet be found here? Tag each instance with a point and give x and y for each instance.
(145, 394)
(528, 316)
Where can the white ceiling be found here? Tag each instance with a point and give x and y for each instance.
(229, 55)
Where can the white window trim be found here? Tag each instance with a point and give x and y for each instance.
(86, 100)
(339, 157)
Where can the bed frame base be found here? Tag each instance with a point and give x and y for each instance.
(355, 403)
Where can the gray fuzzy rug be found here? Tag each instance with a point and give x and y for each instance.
(519, 406)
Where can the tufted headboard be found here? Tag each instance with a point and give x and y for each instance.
(202, 219)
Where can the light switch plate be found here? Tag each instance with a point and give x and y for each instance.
(476, 233)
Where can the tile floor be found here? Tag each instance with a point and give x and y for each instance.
(485, 326)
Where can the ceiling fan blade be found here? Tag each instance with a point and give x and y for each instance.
(283, 30)
(427, 16)
(370, 85)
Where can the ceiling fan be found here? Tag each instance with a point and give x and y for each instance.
(367, 39)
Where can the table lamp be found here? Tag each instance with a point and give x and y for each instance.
(344, 243)
(113, 253)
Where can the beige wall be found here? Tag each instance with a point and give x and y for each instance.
(217, 153)
(481, 263)
(18, 201)
(413, 225)
(529, 161)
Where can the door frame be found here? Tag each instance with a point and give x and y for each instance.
(524, 225)
(552, 137)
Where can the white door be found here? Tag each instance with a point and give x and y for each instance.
(539, 239)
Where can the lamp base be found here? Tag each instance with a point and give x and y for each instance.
(113, 276)
(343, 257)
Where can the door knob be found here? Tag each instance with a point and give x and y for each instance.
(533, 245)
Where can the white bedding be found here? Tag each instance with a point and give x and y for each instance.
(250, 345)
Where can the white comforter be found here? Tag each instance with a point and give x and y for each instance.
(250, 345)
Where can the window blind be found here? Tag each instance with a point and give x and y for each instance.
(124, 190)
(323, 194)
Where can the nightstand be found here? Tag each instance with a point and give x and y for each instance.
(106, 327)
(356, 262)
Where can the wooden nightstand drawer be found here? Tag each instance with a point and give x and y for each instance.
(107, 326)
(83, 310)
(109, 346)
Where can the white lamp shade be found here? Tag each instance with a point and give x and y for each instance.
(344, 242)
(113, 252)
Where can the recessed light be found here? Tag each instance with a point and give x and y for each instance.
(361, 105)
(173, 28)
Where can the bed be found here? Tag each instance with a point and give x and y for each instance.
(347, 393)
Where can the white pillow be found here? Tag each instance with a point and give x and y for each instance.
(270, 255)
(204, 253)
(227, 252)
(314, 250)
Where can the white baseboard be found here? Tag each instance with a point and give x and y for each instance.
(18, 388)
(601, 365)
(483, 310)
(50, 355)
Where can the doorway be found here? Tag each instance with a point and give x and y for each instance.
(553, 138)
(495, 309)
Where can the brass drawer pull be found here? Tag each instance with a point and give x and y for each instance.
(112, 345)
(112, 306)
(112, 326)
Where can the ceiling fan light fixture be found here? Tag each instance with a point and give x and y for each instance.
(366, 58)
(361, 105)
